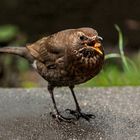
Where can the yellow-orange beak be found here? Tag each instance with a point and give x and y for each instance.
(96, 47)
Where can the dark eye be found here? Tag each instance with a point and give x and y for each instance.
(83, 37)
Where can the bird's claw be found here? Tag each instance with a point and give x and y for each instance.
(79, 114)
(60, 118)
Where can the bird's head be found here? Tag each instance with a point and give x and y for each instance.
(87, 42)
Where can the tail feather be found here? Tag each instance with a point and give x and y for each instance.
(21, 51)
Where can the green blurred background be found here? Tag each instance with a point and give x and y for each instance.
(25, 21)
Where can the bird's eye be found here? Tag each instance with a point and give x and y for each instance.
(82, 37)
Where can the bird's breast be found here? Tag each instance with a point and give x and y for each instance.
(85, 68)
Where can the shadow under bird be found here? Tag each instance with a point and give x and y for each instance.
(65, 58)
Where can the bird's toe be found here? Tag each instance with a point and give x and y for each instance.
(60, 118)
(79, 114)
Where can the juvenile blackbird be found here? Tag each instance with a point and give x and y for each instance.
(66, 58)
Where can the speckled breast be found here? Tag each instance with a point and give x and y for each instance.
(82, 71)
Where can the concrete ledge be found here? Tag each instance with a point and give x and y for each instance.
(24, 114)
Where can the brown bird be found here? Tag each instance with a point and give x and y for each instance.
(66, 58)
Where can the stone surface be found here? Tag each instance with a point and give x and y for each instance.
(24, 114)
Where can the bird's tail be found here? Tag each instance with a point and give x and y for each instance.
(21, 51)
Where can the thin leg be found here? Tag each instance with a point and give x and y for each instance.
(76, 102)
(77, 113)
(50, 89)
(57, 115)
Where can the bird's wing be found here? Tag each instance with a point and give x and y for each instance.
(45, 50)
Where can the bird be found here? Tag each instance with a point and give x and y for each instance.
(65, 58)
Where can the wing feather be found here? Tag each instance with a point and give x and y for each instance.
(45, 50)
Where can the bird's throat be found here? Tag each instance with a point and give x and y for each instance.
(87, 58)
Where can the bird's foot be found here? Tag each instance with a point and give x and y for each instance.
(79, 114)
(60, 118)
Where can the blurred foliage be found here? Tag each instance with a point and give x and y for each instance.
(12, 66)
(22, 65)
(112, 75)
(11, 35)
(7, 32)
(121, 49)
(29, 84)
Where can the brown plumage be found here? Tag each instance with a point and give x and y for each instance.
(66, 58)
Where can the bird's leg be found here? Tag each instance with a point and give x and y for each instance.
(57, 114)
(78, 109)
(77, 112)
(50, 89)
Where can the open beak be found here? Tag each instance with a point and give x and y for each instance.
(96, 47)
(95, 44)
